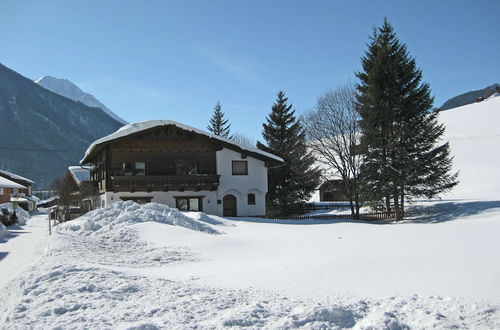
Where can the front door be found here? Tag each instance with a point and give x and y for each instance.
(229, 206)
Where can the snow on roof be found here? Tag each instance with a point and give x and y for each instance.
(19, 199)
(6, 183)
(15, 176)
(80, 173)
(144, 125)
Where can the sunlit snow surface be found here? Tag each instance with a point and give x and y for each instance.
(148, 267)
(474, 134)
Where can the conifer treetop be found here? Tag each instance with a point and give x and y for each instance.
(218, 125)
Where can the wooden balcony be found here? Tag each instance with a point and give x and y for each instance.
(165, 183)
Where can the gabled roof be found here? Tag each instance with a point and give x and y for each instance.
(145, 125)
(80, 173)
(6, 183)
(13, 176)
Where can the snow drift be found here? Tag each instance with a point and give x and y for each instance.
(121, 214)
(22, 215)
(3, 231)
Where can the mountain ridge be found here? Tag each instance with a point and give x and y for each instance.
(66, 88)
(43, 132)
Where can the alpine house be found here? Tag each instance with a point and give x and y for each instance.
(171, 163)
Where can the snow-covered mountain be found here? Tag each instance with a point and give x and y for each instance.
(68, 89)
(42, 132)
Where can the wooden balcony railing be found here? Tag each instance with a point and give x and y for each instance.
(165, 183)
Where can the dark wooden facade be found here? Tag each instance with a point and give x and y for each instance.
(333, 191)
(77, 194)
(164, 158)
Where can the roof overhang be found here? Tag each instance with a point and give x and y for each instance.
(134, 128)
(6, 183)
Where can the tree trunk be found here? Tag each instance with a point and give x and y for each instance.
(357, 207)
(402, 206)
(351, 205)
(397, 208)
(387, 204)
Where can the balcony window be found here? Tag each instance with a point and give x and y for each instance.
(240, 167)
(187, 168)
(129, 169)
(140, 168)
(189, 203)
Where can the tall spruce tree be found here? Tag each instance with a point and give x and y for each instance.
(405, 157)
(218, 125)
(296, 179)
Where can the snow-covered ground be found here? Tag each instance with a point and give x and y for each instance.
(146, 267)
(152, 267)
(21, 246)
(474, 135)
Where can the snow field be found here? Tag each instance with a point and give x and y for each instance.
(474, 137)
(126, 273)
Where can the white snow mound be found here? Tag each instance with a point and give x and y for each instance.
(22, 215)
(121, 214)
(3, 231)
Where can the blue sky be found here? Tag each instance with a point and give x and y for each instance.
(175, 60)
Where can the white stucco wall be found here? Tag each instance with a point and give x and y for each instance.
(167, 197)
(237, 185)
(242, 185)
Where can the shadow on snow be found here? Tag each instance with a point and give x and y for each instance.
(449, 211)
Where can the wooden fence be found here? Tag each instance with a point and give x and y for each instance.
(371, 216)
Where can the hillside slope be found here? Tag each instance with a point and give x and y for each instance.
(68, 89)
(469, 97)
(34, 119)
(474, 137)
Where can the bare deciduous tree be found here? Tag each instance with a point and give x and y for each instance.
(334, 137)
(243, 139)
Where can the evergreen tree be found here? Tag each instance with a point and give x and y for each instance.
(404, 159)
(218, 125)
(296, 179)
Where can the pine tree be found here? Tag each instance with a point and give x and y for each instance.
(218, 125)
(401, 132)
(296, 179)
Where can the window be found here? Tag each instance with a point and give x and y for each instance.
(189, 203)
(240, 167)
(1, 191)
(140, 168)
(251, 199)
(186, 168)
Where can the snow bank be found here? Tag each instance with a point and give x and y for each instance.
(3, 231)
(22, 215)
(121, 214)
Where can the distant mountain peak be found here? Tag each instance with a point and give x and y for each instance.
(66, 88)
